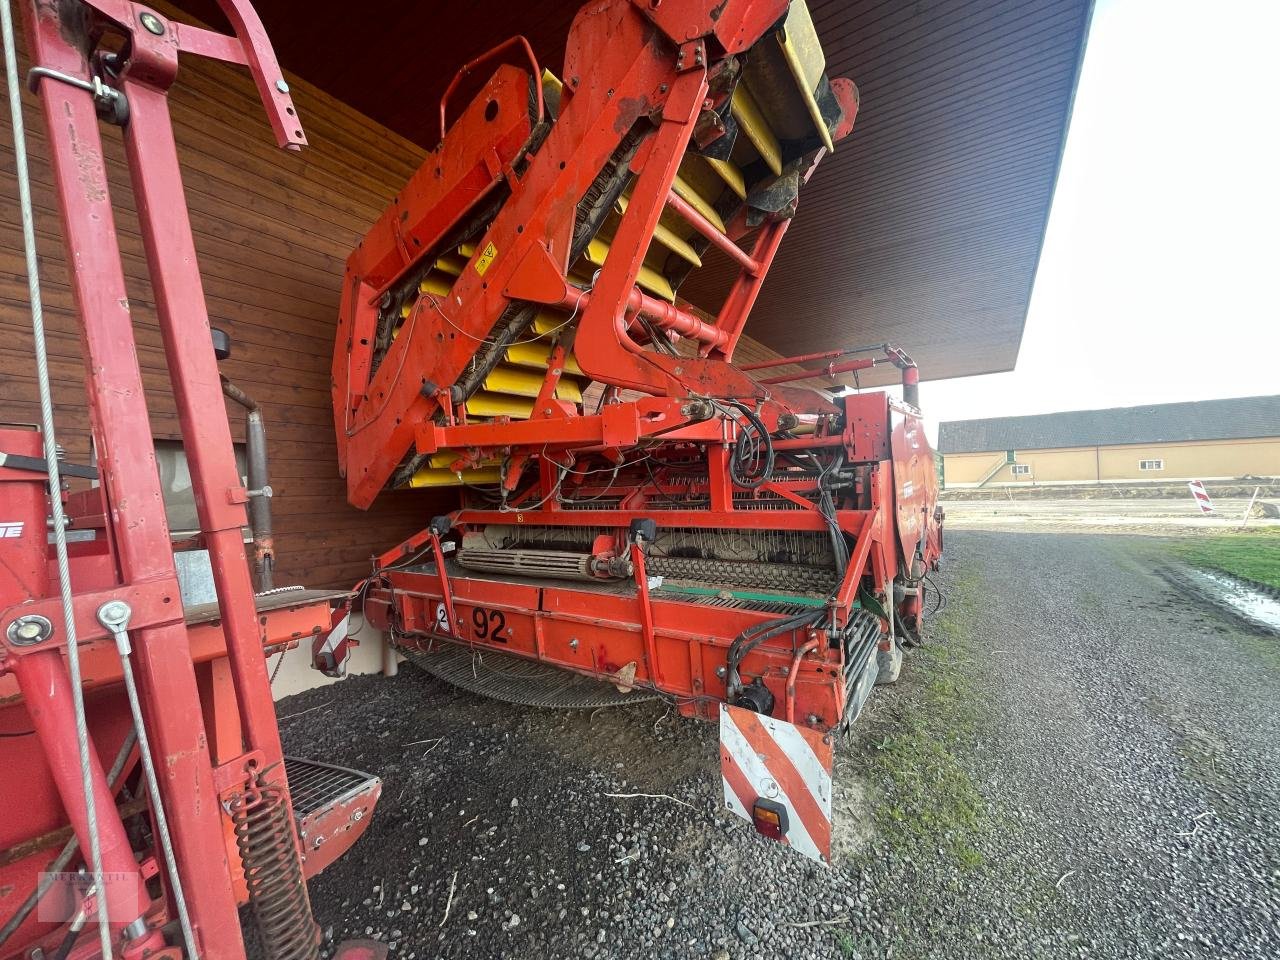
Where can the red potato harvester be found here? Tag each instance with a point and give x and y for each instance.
(146, 793)
(636, 508)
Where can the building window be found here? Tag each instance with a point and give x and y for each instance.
(175, 486)
(1150, 464)
(1021, 469)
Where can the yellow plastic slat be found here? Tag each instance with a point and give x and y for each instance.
(538, 355)
(551, 83)
(449, 265)
(436, 284)
(513, 381)
(666, 236)
(684, 190)
(442, 459)
(548, 322)
(730, 174)
(752, 122)
(650, 279)
(485, 404)
(467, 250)
(803, 53)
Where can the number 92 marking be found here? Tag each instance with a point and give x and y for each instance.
(489, 624)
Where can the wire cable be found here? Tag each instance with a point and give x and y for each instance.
(51, 462)
(755, 635)
(158, 814)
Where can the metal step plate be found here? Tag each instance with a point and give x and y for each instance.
(332, 807)
(517, 680)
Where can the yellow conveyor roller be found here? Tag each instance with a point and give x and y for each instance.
(429, 477)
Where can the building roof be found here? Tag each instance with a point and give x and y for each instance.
(1236, 418)
(923, 229)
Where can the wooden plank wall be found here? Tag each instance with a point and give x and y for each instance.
(273, 230)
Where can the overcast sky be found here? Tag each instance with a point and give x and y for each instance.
(1159, 276)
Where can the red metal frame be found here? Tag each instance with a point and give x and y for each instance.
(614, 75)
(679, 646)
(510, 181)
(205, 694)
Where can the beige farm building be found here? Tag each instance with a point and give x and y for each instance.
(1204, 440)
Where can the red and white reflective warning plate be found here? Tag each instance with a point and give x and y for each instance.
(1202, 497)
(778, 773)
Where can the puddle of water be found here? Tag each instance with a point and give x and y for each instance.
(1240, 596)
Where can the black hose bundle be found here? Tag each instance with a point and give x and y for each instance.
(827, 509)
(751, 464)
(752, 637)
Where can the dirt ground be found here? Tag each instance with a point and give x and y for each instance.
(1167, 516)
(1083, 762)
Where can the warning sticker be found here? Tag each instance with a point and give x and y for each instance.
(486, 258)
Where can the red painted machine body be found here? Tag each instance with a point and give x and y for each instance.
(636, 507)
(205, 699)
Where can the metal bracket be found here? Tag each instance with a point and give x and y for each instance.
(115, 615)
(16, 461)
(692, 56)
(112, 105)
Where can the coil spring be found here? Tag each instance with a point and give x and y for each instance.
(273, 874)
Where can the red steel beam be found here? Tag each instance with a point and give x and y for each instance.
(665, 315)
(123, 440)
(705, 227)
(184, 326)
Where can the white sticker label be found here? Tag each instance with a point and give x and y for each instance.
(908, 488)
(442, 619)
(11, 529)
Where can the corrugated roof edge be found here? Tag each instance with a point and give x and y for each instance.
(1231, 418)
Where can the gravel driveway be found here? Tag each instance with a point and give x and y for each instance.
(1081, 764)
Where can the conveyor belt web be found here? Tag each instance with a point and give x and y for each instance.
(515, 680)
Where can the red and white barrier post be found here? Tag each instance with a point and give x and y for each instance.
(1202, 498)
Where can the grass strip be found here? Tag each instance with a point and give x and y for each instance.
(928, 798)
(1252, 555)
